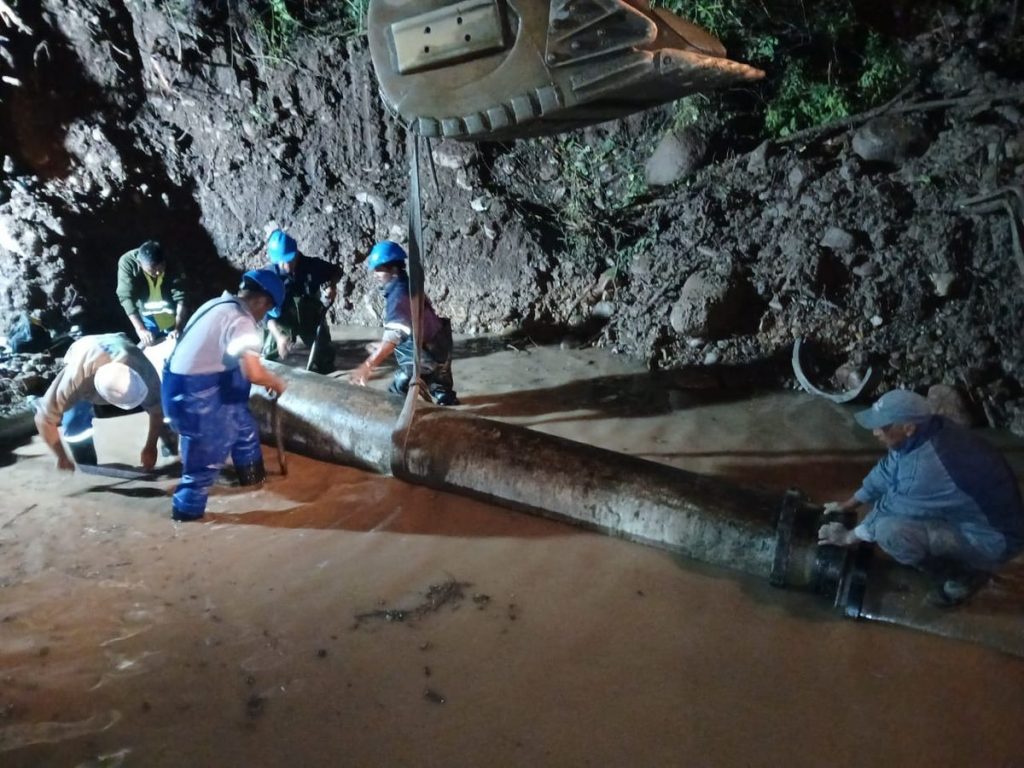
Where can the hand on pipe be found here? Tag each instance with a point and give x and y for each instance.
(837, 535)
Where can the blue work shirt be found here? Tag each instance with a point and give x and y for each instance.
(945, 474)
(308, 276)
(398, 313)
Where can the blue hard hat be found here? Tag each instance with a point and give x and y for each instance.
(281, 247)
(384, 253)
(269, 282)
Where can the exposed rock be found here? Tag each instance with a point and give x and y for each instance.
(677, 156)
(838, 239)
(949, 402)
(709, 306)
(453, 154)
(757, 160)
(889, 139)
(202, 139)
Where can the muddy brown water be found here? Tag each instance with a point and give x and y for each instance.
(127, 639)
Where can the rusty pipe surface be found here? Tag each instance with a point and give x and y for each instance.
(692, 515)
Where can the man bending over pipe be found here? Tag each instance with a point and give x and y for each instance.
(206, 390)
(942, 500)
(97, 370)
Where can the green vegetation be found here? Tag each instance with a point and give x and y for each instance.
(280, 22)
(599, 183)
(822, 61)
(800, 101)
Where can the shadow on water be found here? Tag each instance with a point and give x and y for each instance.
(131, 493)
(629, 395)
(461, 518)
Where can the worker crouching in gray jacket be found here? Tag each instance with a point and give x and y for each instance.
(942, 500)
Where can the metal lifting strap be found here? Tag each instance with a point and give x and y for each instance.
(400, 435)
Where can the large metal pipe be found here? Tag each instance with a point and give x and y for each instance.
(695, 516)
(17, 428)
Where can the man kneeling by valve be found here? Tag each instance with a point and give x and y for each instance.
(942, 500)
(206, 390)
(387, 262)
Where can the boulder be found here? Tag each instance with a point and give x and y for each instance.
(710, 305)
(949, 402)
(677, 156)
(890, 140)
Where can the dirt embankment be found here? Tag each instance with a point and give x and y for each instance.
(153, 119)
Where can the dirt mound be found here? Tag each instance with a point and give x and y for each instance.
(158, 120)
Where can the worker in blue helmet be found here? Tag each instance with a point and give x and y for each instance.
(206, 389)
(387, 262)
(311, 285)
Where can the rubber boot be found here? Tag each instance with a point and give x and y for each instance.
(84, 451)
(251, 474)
(168, 441)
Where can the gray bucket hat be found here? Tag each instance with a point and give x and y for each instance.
(899, 406)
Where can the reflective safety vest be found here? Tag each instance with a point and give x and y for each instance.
(157, 307)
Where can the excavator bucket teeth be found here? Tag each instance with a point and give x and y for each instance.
(484, 70)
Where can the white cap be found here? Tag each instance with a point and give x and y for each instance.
(120, 385)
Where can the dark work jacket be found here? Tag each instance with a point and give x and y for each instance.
(398, 313)
(305, 281)
(133, 290)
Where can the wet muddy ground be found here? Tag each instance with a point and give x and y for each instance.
(340, 618)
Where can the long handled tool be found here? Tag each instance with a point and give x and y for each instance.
(320, 333)
(282, 457)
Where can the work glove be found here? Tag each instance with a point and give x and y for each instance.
(145, 338)
(836, 534)
(833, 507)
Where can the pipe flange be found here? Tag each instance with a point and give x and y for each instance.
(784, 537)
(853, 582)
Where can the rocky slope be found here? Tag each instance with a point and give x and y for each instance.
(123, 121)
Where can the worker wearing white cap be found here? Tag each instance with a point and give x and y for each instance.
(98, 369)
(942, 500)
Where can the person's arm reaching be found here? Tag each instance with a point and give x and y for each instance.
(383, 350)
(256, 373)
(850, 505)
(51, 436)
(282, 341)
(126, 270)
(179, 320)
(144, 334)
(148, 455)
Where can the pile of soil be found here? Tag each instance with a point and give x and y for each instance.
(181, 123)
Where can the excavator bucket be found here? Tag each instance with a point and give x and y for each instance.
(483, 70)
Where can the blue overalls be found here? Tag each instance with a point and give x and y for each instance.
(211, 413)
